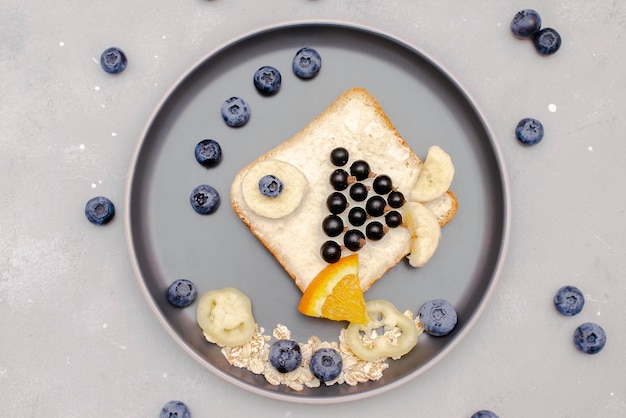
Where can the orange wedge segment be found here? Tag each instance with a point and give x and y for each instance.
(335, 293)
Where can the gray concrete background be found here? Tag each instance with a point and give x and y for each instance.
(78, 337)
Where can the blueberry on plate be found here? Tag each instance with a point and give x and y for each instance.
(99, 210)
(267, 80)
(285, 355)
(529, 131)
(204, 199)
(590, 338)
(526, 23)
(235, 112)
(306, 63)
(208, 152)
(182, 293)
(569, 300)
(484, 413)
(438, 317)
(547, 41)
(326, 364)
(113, 60)
(176, 409)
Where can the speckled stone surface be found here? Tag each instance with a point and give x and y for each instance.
(79, 339)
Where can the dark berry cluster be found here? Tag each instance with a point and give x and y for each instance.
(362, 206)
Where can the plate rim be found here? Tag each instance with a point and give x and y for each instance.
(443, 70)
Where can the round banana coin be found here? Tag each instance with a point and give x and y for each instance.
(294, 186)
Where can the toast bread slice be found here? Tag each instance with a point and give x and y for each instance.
(357, 122)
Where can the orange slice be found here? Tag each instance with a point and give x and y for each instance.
(336, 293)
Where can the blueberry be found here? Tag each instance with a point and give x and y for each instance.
(484, 413)
(235, 112)
(208, 152)
(267, 80)
(590, 338)
(569, 300)
(181, 293)
(547, 41)
(285, 355)
(204, 199)
(306, 63)
(113, 60)
(529, 131)
(438, 317)
(175, 409)
(526, 23)
(270, 186)
(326, 364)
(99, 210)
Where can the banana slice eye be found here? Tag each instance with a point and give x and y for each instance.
(258, 189)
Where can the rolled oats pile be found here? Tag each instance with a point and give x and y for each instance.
(254, 356)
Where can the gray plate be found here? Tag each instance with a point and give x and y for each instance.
(168, 240)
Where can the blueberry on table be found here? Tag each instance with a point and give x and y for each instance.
(182, 293)
(484, 413)
(176, 409)
(529, 131)
(99, 210)
(547, 41)
(306, 63)
(285, 355)
(526, 23)
(590, 338)
(204, 199)
(113, 60)
(326, 364)
(235, 112)
(208, 152)
(438, 317)
(569, 300)
(267, 80)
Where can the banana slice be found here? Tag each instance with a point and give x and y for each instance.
(294, 186)
(425, 232)
(435, 176)
(225, 317)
